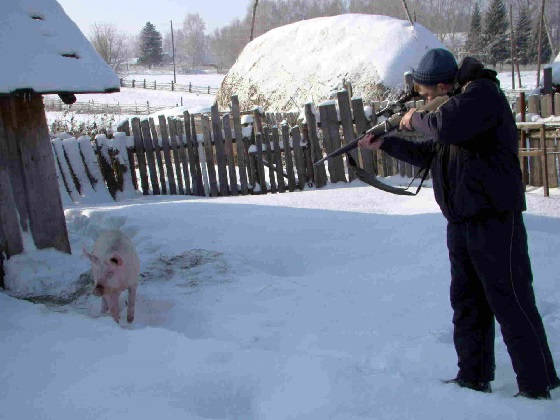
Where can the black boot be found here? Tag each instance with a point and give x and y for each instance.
(481, 386)
(534, 395)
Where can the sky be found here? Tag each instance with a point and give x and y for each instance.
(131, 15)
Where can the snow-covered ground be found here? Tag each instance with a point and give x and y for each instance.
(328, 303)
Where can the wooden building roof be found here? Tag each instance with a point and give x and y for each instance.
(42, 49)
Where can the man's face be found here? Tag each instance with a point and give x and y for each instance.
(430, 92)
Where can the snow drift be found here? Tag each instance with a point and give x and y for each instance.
(372, 52)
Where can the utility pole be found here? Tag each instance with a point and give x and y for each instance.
(253, 20)
(407, 12)
(173, 49)
(541, 19)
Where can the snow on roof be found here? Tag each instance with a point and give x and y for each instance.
(42, 49)
(308, 60)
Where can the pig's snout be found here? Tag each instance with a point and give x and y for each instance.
(98, 290)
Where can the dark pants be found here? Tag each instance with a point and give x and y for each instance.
(491, 277)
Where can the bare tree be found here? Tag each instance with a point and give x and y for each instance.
(110, 44)
(194, 43)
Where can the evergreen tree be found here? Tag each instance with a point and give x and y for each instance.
(151, 49)
(496, 46)
(474, 42)
(523, 35)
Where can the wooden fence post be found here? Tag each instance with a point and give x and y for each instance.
(149, 148)
(344, 108)
(125, 127)
(260, 164)
(331, 140)
(229, 154)
(139, 149)
(298, 156)
(288, 157)
(196, 157)
(220, 154)
(271, 172)
(369, 161)
(167, 154)
(206, 132)
(544, 160)
(242, 156)
(176, 157)
(194, 162)
(183, 155)
(157, 151)
(319, 172)
(278, 160)
(523, 140)
(535, 163)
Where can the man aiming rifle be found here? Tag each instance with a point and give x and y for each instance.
(473, 154)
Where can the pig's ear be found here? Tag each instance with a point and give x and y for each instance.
(116, 259)
(91, 257)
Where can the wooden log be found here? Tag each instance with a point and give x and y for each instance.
(220, 152)
(209, 155)
(139, 149)
(288, 157)
(345, 110)
(13, 159)
(369, 162)
(183, 155)
(175, 152)
(319, 172)
(10, 236)
(298, 156)
(166, 147)
(199, 174)
(149, 148)
(242, 156)
(157, 152)
(46, 216)
(229, 155)
(331, 140)
(277, 153)
(267, 137)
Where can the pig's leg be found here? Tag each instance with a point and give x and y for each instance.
(131, 303)
(113, 303)
(104, 307)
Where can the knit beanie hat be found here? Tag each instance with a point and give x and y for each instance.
(437, 66)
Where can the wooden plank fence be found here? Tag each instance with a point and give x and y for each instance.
(92, 107)
(218, 155)
(172, 86)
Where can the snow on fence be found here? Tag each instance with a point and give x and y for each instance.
(201, 155)
(92, 107)
(153, 84)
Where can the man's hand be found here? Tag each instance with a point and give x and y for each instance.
(406, 120)
(369, 141)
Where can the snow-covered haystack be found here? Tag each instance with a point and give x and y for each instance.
(309, 60)
(556, 70)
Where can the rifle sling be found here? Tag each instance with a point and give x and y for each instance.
(371, 179)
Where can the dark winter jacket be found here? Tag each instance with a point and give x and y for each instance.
(473, 150)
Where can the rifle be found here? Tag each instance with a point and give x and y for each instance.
(395, 111)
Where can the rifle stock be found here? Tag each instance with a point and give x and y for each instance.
(384, 128)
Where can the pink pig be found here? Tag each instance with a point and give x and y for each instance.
(115, 267)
